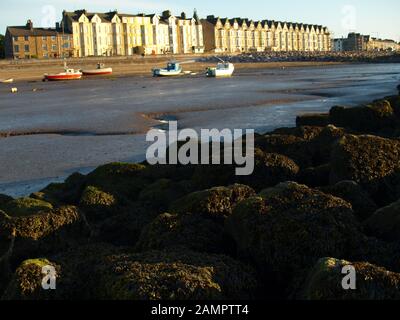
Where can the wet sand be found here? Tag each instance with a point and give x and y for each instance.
(49, 130)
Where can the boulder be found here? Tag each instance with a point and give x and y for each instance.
(163, 192)
(372, 282)
(293, 147)
(122, 180)
(25, 207)
(174, 275)
(68, 193)
(370, 118)
(314, 119)
(351, 191)
(124, 229)
(371, 162)
(43, 233)
(190, 231)
(97, 204)
(385, 223)
(315, 176)
(216, 203)
(26, 284)
(286, 229)
(304, 132)
(4, 199)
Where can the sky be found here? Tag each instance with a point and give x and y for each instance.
(376, 18)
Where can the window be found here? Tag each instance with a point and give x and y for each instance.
(15, 38)
(53, 38)
(44, 38)
(16, 48)
(54, 47)
(45, 55)
(44, 47)
(26, 38)
(26, 48)
(65, 38)
(66, 45)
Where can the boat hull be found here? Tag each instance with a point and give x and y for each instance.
(214, 73)
(97, 72)
(7, 80)
(60, 77)
(166, 73)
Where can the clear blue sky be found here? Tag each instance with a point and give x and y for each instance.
(375, 17)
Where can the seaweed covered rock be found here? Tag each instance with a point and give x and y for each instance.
(370, 161)
(74, 276)
(292, 146)
(163, 192)
(351, 191)
(67, 193)
(313, 119)
(25, 207)
(122, 180)
(269, 169)
(98, 204)
(191, 231)
(385, 223)
(215, 203)
(43, 233)
(289, 227)
(124, 229)
(304, 132)
(315, 176)
(370, 118)
(372, 282)
(322, 144)
(4, 199)
(26, 284)
(174, 275)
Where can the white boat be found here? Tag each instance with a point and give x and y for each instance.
(99, 71)
(172, 69)
(7, 80)
(223, 69)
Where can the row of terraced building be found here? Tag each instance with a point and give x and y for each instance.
(83, 34)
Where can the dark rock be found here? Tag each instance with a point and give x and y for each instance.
(179, 275)
(288, 228)
(163, 192)
(68, 192)
(44, 233)
(191, 231)
(370, 118)
(98, 205)
(304, 132)
(315, 177)
(216, 203)
(125, 228)
(122, 180)
(4, 199)
(363, 205)
(315, 119)
(373, 282)
(25, 207)
(385, 223)
(370, 161)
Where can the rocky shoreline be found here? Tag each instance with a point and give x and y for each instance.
(324, 195)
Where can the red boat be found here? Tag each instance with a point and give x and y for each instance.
(100, 70)
(68, 74)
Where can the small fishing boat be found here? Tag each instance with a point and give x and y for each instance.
(223, 69)
(100, 70)
(7, 80)
(172, 69)
(68, 74)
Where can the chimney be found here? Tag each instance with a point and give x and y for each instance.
(183, 15)
(166, 14)
(29, 24)
(212, 17)
(57, 26)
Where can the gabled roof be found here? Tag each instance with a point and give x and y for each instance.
(22, 31)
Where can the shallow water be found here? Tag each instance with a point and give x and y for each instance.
(61, 128)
